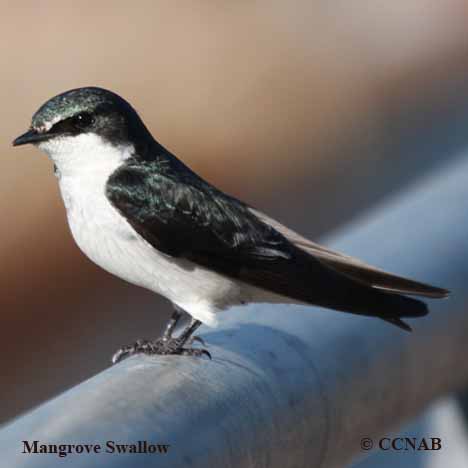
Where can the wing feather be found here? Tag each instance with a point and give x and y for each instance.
(354, 268)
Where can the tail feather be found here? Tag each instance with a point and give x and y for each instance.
(339, 291)
(404, 307)
(358, 299)
(399, 323)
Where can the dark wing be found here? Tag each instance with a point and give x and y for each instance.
(182, 216)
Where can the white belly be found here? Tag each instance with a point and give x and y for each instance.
(85, 163)
(108, 240)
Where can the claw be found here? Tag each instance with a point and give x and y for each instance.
(194, 352)
(207, 354)
(197, 339)
(120, 354)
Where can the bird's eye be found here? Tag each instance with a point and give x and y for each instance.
(83, 120)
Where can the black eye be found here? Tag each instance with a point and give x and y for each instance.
(83, 120)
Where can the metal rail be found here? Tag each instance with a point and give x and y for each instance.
(287, 386)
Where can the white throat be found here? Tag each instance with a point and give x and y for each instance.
(84, 164)
(85, 156)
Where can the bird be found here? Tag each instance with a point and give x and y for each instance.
(140, 213)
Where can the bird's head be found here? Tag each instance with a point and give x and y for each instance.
(82, 125)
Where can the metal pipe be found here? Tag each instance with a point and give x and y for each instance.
(288, 386)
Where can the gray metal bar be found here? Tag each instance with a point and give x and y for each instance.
(287, 386)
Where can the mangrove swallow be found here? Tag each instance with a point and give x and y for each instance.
(143, 215)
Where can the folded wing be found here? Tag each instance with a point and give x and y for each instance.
(354, 268)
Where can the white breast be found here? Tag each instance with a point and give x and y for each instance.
(103, 234)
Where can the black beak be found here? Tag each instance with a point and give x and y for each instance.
(31, 136)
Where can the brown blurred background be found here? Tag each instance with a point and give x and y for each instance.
(311, 111)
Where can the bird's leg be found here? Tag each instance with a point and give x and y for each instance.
(167, 344)
(175, 317)
(187, 335)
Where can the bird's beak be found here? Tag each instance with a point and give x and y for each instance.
(31, 136)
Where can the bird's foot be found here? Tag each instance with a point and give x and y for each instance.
(162, 346)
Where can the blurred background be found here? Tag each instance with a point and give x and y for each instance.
(310, 110)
